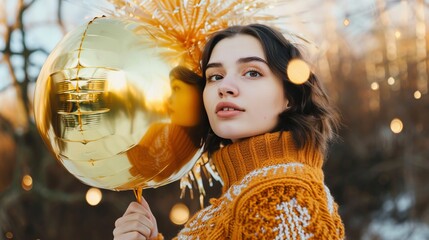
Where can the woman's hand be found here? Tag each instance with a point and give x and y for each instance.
(137, 222)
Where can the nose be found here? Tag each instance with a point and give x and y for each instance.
(223, 92)
(227, 89)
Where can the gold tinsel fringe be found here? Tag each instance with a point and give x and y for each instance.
(183, 26)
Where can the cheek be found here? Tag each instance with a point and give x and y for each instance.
(193, 103)
(206, 100)
(277, 104)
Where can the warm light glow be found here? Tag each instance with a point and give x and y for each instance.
(396, 125)
(346, 22)
(117, 80)
(157, 94)
(9, 235)
(374, 86)
(298, 71)
(391, 81)
(27, 182)
(179, 214)
(94, 196)
(417, 94)
(397, 34)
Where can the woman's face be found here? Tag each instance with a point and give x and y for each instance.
(184, 104)
(242, 96)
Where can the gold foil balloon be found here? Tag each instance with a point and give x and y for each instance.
(104, 107)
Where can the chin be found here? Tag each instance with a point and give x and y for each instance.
(236, 132)
(234, 137)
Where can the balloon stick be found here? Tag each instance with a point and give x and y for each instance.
(138, 192)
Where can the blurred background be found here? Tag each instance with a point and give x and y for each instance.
(372, 56)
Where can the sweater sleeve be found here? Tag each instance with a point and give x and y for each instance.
(286, 207)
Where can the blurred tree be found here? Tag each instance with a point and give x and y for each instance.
(379, 168)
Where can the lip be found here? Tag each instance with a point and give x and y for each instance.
(228, 113)
(223, 105)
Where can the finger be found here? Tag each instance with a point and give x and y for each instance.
(145, 204)
(151, 217)
(134, 207)
(139, 212)
(140, 208)
(134, 217)
(126, 225)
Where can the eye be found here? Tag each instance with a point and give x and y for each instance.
(214, 77)
(252, 74)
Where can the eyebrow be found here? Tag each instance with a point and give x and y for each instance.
(241, 60)
(251, 59)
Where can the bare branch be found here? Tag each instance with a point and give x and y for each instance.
(26, 6)
(6, 58)
(60, 18)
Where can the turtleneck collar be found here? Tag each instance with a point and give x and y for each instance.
(236, 160)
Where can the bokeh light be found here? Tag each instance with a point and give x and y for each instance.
(390, 81)
(417, 94)
(346, 22)
(27, 182)
(298, 71)
(397, 34)
(179, 214)
(374, 86)
(9, 235)
(93, 196)
(396, 125)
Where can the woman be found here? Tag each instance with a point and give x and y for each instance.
(168, 147)
(185, 105)
(268, 142)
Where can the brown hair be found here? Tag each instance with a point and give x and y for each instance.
(310, 117)
(199, 132)
(188, 76)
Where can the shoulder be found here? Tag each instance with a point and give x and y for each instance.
(286, 199)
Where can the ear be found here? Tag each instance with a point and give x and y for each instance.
(286, 104)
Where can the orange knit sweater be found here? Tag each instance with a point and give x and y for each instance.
(272, 191)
